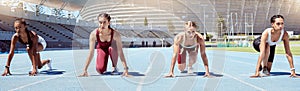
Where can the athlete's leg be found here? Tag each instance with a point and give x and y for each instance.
(182, 60)
(192, 58)
(40, 63)
(101, 62)
(113, 53)
(267, 53)
(265, 60)
(30, 54)
(271, 57)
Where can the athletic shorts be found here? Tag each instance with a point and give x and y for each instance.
(256, 44)
(42, 41)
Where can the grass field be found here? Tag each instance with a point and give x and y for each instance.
(292, 42)
(279, 49)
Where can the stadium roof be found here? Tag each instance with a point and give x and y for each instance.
(71, 5)
(238, 15)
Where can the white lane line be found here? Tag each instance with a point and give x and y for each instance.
(139, 87)
(128, 64)
(244, 82)
(27, 85)
(255, 63)
(22, 68)
(235, 78)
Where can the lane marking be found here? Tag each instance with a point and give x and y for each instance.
(139, 87)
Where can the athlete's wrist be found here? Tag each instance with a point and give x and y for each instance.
(293, 69)
(126, 68)
(7, 67)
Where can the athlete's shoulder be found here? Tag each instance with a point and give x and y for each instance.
(93, 34)
(285, 34)
(16, 35)
(33, 33)
(179, 34)
(199, 35)
(116, 32)
(266, 31)
(94, 31)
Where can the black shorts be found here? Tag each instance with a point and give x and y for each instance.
(256, 44)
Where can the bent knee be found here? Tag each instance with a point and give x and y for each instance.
(100, 70)
(181, 67)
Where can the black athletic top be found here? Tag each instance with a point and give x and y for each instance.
(29, 43)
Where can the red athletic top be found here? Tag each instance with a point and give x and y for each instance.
(104, 45)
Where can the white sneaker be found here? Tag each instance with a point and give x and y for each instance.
(115, 71)
(49, 67)
(265, 72)
(190, 70)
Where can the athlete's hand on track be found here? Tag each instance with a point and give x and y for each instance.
(33, 72)
(170, 75)
(207, 75)
(6, 72)
(255, 76)
(293, 75)
(125, 74)
(84, 74)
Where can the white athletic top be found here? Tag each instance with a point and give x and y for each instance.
(270, 42)
(193, 47)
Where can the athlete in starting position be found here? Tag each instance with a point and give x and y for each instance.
(108, 44)
(266, 45)
(34, 44)
(188, 41)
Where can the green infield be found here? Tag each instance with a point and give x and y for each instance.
(279, 50)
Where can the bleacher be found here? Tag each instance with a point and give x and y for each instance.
(60, 35)
(57, 35)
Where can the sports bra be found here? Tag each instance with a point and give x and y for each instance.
(191, 47)
(29, 43)
(270, 42)
(104, 45)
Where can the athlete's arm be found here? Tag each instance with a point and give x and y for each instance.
(32, 53)
(262, 48)
(92, 41)
(14, 40)
(176, 49)
(117, 37)
(201, 41)
(288, 53)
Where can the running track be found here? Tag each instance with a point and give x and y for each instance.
(231, 71)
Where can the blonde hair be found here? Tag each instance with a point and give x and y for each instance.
(191, 24)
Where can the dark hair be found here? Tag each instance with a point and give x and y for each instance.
(22, 21)
(105, 15)
(276, 16)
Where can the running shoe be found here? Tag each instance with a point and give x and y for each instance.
(190, 70)
(265, 71)
(49, 67)
(115, 72)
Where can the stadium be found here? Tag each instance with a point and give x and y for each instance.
(66, 24)
(148, 27)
